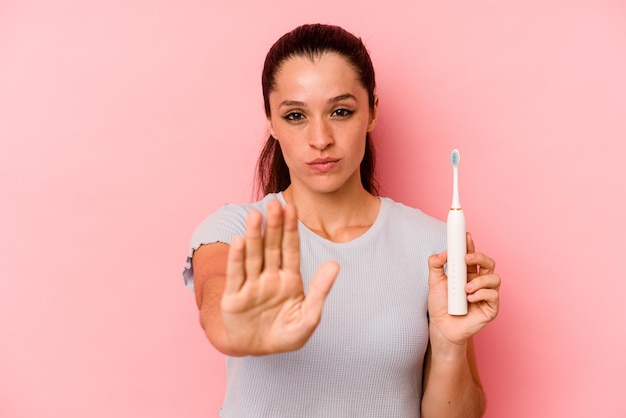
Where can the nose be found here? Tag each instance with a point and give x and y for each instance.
(321, 135)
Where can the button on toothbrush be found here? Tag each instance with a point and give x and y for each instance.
(457, 247)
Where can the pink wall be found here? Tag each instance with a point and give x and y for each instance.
(124, 123)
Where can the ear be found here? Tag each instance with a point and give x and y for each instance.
(270, 128)
(373, 115)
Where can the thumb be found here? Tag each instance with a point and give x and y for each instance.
(320, 287)
(436, 272)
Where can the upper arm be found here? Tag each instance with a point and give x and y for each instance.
(209, 266)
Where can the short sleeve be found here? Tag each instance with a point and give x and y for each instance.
(221, 226)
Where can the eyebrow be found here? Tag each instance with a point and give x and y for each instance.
(331, 100)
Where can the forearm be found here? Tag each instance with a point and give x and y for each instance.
(216, 334)
(452, 387)
(211, 319)
(212, 322)
(209, 265)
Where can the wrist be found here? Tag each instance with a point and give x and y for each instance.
(445, 349)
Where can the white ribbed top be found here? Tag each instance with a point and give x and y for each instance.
(365, 358)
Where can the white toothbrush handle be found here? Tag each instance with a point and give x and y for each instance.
(456, 269)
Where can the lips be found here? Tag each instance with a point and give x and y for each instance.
(323, 165)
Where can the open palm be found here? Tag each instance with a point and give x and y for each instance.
(264, 307)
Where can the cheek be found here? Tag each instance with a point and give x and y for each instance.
(359, 138)
(288, 145)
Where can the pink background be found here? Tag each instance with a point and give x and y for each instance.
(124, 123)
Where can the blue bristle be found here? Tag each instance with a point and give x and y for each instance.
(455, 157)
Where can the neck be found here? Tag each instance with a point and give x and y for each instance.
(339, 216)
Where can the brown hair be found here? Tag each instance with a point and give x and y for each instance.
(312, 41)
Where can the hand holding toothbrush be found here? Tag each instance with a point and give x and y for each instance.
(483, 298)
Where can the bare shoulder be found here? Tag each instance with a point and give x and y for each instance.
(210, 259)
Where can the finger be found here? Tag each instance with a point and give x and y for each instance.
(485, 264)
(471, 248)
(273, 236)
(489, 296)
(320, 287)
(291, 240)
(490, 281)
(254, 245)
(436, 263)
(235, 272)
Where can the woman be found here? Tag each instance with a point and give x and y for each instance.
(263, 272)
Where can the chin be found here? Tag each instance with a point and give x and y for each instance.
(332, 187)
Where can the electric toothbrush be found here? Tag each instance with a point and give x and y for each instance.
(457, 247)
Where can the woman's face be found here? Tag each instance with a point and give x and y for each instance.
(320, 115)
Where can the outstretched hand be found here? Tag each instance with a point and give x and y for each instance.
(264, 308)
(482, 290)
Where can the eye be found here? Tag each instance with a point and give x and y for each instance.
(342, 113)
(294, 116)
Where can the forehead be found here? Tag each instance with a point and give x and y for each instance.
(326, 73)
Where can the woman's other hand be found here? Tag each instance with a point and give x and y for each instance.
(482, 290)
